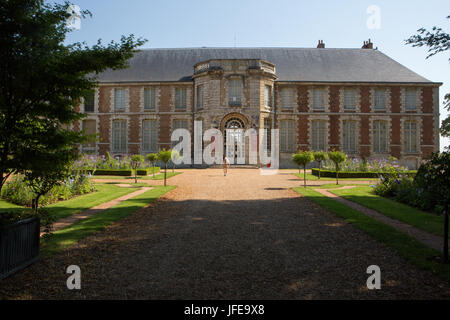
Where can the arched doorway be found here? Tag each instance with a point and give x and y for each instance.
(233, 128)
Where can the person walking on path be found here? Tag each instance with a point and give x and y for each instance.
(225, 164)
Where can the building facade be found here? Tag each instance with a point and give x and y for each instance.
(355, 100)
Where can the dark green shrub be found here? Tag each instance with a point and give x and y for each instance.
(113, 172)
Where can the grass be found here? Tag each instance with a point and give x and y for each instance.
(62, 209)
(406, 246)
(159, 176)
(422, 220)
(68, 236)
(309, 176)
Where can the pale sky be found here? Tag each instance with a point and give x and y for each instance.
(285, 23)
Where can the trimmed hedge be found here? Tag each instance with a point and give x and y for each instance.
(351, 174)
(113, 172)
(146, 172)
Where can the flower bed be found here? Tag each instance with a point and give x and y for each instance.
(18, 192)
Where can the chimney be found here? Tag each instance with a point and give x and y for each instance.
(367, 45)
(321, 44)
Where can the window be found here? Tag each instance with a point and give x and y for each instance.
(199, 97)
(119, 99)
(318, 99)
(179, 124)
(180, 98)
(268, 127)
(287, 98)
(410, 99)
(149, 99)
(318, 135)
(234, 92)
(149, 136)
(380, 137)
(119, 136)
(286, 136)
(380, 99)
(349, 136)
(89, 128)
(410, 136)
(89, 102)
(349, 99)
(267, 96)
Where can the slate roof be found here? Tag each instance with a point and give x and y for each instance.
(292, 64)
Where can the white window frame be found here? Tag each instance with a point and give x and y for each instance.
(150, 98)
(318, 99)
(410, 138)
(287, 98)
(380, 143)
(350, 99)
(411, 99)
(319, 135)
(149, 136)
(119, 144)
(235, 91)
(287, 135)
(120, 99)
(379, 96)
(180, 98)
(349, 138)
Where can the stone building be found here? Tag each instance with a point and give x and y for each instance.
(359, 101)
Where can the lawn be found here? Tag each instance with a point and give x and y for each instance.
(68, 236)
(422, 220)
(406, 246)
(62, 209)
(159, 176)
(309, 176)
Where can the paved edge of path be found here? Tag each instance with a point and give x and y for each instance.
(64, 222)
(428, 239)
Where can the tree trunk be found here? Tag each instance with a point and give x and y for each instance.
(165, 172)
(446, 234)
(337, 179)
(304, 176)
(153, 169)
(135, 175)
(35, 203)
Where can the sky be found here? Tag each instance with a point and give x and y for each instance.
(281, 23)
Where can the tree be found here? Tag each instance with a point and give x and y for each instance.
(42, 80)
(164, 156)
(337, 157)
(136, 161)
(152, 158)
(48, 170)
(302, 158)
(437, 41)
(320, 156)
(434, 177)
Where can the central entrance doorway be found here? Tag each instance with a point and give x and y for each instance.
(234, 131)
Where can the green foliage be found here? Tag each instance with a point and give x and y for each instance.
(429, 190)
(165, 156)
(136, 161)
(354, 174)
(18, 191)
(337, 157)
(152, 158)
(43, 79)
(302, 158)
(437, 41)
(320, 156)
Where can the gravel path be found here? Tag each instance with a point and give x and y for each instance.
(244, 236)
